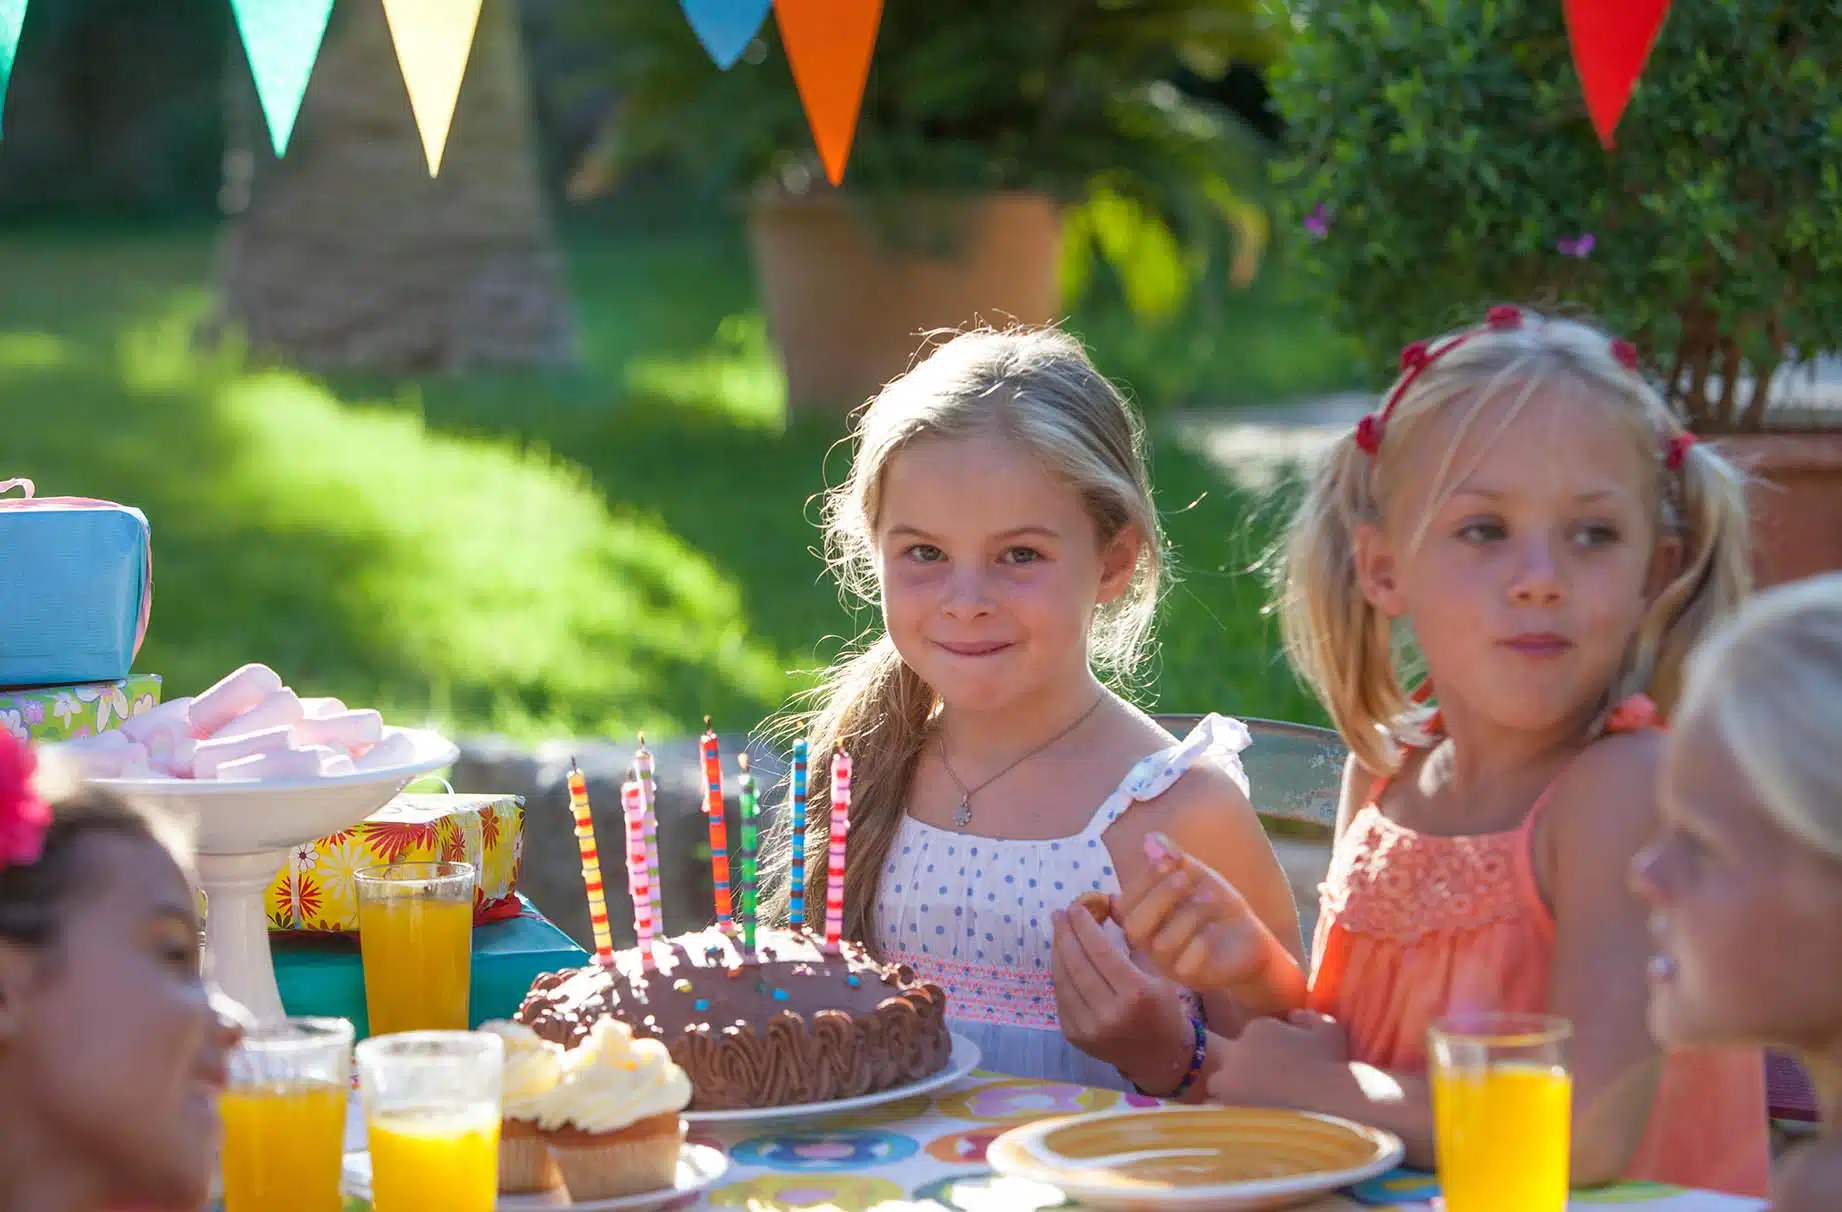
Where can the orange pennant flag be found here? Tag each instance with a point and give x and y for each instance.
(829, 43)
(434, 39)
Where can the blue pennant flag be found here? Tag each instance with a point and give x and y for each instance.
(726, 27)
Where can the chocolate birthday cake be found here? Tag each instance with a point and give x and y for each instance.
(791, 1025)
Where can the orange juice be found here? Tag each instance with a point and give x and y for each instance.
(1502, 1134)
(416, 954)
(434, 1161)
(283, 1147)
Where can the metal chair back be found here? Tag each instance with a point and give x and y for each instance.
(1295, 771)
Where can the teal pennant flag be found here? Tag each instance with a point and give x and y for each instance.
(12, 19)
(282, 39)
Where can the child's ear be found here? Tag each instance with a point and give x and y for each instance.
(1377, 571)
(1118, 561)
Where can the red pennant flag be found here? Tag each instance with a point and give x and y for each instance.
(1611, 39)
(829, 43)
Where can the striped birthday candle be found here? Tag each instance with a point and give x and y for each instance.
(636, 868)
(719, 829)
(649, 801)
(797, 909)
(591, 863)
(840, 824)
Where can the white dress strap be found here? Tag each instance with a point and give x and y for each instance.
(1218, 737)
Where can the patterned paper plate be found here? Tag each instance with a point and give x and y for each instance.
(1161, 1159)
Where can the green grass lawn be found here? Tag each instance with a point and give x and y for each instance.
(626, 545)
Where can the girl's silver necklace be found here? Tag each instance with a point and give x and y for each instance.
(963, 817)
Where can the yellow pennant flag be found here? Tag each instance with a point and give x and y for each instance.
(433, 39)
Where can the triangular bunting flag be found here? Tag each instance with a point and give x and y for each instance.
(829, 43)
(433, 39)
(282, 39)
(726, 27)
(1611, 39)
(12, 20)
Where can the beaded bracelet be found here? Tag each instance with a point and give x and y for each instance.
(1190, 1075)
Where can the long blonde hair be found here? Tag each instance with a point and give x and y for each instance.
(1031, 386)
(1346, 649)
(1770, 684)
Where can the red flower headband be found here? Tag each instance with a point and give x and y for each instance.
(24, 815)
(1501, 318)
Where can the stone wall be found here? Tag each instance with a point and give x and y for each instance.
(552, 865)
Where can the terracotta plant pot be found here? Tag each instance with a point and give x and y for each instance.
(851, 288)
(1796, 501)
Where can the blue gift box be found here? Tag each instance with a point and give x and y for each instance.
(323, 977)
(76, 588)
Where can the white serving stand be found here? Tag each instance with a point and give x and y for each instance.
(244, 831)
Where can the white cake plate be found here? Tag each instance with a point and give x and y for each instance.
(244, 831)
(963, 1060)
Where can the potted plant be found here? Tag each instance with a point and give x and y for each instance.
(1002, 151)
(1442, 157)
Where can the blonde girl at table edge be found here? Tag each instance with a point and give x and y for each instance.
(112, 1052)
(997, 509)
(1524, 505)
(1744, 878)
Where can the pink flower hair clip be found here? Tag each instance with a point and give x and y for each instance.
(24, 815)
(1414, 361)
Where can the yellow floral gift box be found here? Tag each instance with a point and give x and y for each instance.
(316, 891)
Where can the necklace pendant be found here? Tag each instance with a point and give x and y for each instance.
(963, 817)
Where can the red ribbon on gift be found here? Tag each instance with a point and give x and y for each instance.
(1611, 39)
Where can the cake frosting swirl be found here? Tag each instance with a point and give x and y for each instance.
(789, 1025)
(612, 1080)
(533, 1066)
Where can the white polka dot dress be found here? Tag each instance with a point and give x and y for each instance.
(973, 913)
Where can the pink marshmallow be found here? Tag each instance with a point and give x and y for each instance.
(170, 750)
(138, 728)
(320, 708)
(99, 742)
(281, 764)
(213, 755)
(354, 732)
(393, 750)
(103, 761)
(236, 693)
(277, 709)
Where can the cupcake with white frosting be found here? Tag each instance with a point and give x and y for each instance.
(533, 1066)
(612, 1122)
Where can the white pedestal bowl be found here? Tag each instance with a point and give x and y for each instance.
(244, 831)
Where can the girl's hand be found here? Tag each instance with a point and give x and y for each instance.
(1191, 923)
(1274, 1061)
(1113, 1010)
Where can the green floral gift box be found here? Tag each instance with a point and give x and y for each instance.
(64, 713)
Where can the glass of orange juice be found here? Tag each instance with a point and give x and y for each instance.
(415, 933)
(432, 1117)
(1502, 1111)
(284, 1116)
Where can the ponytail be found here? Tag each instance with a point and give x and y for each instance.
(1714, 577)
(877, 709)
(1334, 636)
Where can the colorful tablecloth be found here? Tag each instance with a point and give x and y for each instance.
(927, 1154)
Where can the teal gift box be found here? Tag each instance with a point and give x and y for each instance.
(323, 976)
(64, 713)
